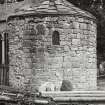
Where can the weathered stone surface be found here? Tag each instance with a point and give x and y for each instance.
(34, 58)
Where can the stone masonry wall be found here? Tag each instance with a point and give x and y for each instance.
(35, 61)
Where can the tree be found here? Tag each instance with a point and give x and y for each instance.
(2, 1)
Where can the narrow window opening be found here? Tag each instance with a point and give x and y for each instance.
(55, 38)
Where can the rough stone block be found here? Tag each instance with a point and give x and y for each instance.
(75, 41)
(83, 26)
(86, 32)
(76, 25)
(80, 20)
(75, 64)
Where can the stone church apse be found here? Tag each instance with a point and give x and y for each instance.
(49, 43)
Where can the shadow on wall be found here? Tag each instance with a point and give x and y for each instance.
(66, 86)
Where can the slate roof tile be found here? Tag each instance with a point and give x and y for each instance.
(45, 7)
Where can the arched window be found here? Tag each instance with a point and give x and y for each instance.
(55, 38)
(4, 76)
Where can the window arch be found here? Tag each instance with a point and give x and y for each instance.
(55, 38)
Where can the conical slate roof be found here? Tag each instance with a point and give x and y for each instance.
(51, 7)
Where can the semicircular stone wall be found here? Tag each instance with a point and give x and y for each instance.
(35, 61)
